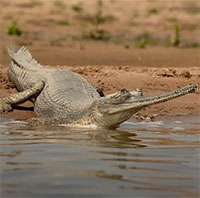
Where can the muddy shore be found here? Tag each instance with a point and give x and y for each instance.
(112, 78)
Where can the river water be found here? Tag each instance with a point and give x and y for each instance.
(142, 159)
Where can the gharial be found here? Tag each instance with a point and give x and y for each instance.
(64, 97)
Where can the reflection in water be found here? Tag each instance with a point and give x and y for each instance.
(144, 159)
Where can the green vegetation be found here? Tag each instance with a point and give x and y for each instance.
(176, 36)
(98, 17)
(35, 3)
(195, 44)
(126, 46)
(153, 11)
(13, 29)
(31, 4)
(59, 4)
(99, 35)
(144, 40)
(172, 19)
(141, 43)
(62, 22)
(77, 8)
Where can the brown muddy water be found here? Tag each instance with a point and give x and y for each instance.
(143, 159)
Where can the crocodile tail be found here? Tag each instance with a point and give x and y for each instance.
(23, 58)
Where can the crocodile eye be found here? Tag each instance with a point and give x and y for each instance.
(124, 90)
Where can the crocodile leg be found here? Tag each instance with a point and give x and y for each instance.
(18, 98)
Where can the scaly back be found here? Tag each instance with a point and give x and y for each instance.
(24, 69)
(23, 58)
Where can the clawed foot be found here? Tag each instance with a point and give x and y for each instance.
(5, 107)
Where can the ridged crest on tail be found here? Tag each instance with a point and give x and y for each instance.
(23, 58)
